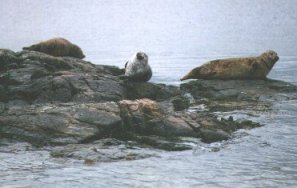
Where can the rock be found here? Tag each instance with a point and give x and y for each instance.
(158, 92)
(147, 117)
(180, 103)
(113, 70)
(213, 130)
(213, 135)
(46, 100)
(59, 124)
(40, 78)
(234, 95)
(241, 90)
(141, 107)
(165, 143)
(138, 114)
(104, 150)
(8, 60)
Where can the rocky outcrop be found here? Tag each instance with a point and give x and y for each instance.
(48, 124)
(103, 150)
(69, 105)
(226, 95)
(34, 77)
(243, 90)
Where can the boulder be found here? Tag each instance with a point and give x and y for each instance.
(35, 77)
(59, 123)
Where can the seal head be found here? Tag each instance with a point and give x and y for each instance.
(269, 57)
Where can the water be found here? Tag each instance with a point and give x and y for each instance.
(177, 35)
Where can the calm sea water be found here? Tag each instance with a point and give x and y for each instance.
(177, 35)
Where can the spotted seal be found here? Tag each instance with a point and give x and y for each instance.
(236, 68)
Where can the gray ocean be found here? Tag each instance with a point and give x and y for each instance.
(177, 35)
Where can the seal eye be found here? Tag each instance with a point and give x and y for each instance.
(140, 56)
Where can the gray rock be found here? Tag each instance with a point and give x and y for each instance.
(159, 92)
(41, 78)
(180, 103)
(242, 90)
(8, 60)
(104, 150)
(59, 124)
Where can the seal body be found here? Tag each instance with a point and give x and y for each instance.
(57, 47)
(137, 68)
(236, 68)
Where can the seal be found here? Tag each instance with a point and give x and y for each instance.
(245, 68)
(137, 68)
(57, 47)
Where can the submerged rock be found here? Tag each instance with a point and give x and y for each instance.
(104, 150)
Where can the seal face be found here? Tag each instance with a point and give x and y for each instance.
(236, 68)
(138, 69)
(57, 47)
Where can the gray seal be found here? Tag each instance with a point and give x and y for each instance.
(137, 68)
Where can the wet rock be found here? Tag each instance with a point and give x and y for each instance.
(242, 90)
(213, 135)
(165, 143)
(104, 150)
(158, 92)
(13, 146)
(178, 124)
(147, 117)
(180, 103)
(210, 129)
(59, 124)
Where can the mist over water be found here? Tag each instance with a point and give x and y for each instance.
(112, 28)
(178, 36)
